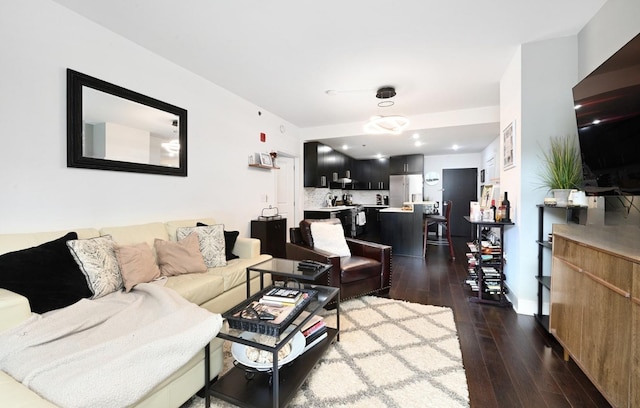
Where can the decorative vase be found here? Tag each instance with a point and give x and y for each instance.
(561, 196)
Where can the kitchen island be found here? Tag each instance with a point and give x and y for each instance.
(402, 228)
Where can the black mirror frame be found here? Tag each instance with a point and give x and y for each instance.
(75, 82)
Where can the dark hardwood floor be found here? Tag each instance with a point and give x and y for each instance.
(509, 358)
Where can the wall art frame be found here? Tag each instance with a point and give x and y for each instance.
(509, 146)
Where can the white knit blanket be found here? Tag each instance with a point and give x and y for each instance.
(108, 352)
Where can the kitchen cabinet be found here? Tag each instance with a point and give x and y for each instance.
(272, 234)
(323, 166)
(372, 229)
(407, 164)
(372, 175)
(403, 230)
(594, 305)
(315, 165)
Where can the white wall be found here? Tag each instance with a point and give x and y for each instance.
(40, 40)
(612, 27)
(536, 94)
(441, 162)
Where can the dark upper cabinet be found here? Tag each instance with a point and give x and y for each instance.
(324, 166)
(408, 164)
(372, 174)
(315, 165)
(380, 174)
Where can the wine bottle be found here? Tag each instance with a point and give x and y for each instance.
(493, 209)
(507, 208)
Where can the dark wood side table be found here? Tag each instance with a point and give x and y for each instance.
(272, 234)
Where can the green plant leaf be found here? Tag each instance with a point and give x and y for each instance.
(562, 166)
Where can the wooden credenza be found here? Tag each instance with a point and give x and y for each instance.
(595, 305)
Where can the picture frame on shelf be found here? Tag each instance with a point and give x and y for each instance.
(486, 196)
(265, 160)
(509, 146)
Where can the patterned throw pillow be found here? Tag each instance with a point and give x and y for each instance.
(97, 260)
(230, 238)
(212, 245)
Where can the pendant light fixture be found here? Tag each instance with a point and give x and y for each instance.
(394, 124)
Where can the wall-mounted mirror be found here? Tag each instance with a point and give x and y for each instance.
(113, 128)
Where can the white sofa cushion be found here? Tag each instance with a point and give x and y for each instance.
(134, 234)
(16, 242)
(15, 309)
(172, 226)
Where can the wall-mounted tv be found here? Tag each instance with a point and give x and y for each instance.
(607, 106)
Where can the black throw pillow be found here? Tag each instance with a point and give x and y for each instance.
(230, 238)
(47, 275)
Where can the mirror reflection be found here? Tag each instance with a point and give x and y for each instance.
(112, 128)
(118, 129)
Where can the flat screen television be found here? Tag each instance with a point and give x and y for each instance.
(607, 107)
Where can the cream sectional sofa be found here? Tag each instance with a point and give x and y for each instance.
(216, 290)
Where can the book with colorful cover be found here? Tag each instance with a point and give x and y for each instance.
(283, 295)
(318, 326)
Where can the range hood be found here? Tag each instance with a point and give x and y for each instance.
(344, 180)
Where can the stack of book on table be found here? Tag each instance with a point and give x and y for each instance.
(282, 297)
(274, 306)
(314, 331)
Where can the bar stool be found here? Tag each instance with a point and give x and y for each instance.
(442, 220)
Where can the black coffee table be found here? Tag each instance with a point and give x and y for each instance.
(285, 268)
(245, 387)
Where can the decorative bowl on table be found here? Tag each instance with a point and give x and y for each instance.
(240, 352)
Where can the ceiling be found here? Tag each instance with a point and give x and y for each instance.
(283, 55)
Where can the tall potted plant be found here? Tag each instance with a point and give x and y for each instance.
(562, 167)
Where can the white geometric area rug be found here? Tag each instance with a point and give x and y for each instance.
(391, 353)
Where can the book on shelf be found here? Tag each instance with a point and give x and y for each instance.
(314, 328)
(315, 341)
(318, 333)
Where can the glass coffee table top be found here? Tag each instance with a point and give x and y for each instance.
(289, 268)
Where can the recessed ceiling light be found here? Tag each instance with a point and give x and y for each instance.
(385, 104)
(418, 143)
(578, 106)
(455, 147)
(595, 122)
(379, 155)
(345, 147)
(415, 136)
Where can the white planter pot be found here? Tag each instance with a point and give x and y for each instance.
(561, 196)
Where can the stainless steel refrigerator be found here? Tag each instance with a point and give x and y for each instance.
(405, 188)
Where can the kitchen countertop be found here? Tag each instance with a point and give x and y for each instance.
(331, 209)
(344, 207)
(397, 210)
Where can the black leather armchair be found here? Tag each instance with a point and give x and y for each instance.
(366, 271)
